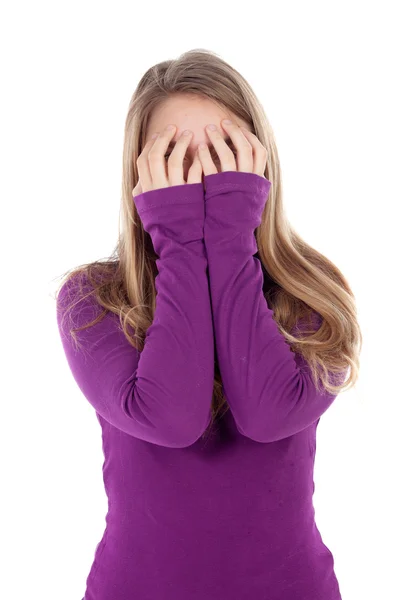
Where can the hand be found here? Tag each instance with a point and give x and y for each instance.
(151, 164)
(251, 154)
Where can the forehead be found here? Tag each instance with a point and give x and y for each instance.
(193, 112)
(190, 108)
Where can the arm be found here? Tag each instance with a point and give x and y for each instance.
(268, 387)
(163, 394)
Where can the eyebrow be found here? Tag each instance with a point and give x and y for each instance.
(210, 145)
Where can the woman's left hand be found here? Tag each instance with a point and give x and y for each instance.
(251, 155)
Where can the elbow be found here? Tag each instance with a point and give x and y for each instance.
(196, 425)
(262, 433)
(290, 412)
(171, 425)
(253, 426)
(182, 435)
(185, 427)
(271, 417)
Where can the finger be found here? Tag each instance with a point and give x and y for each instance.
(244, 150)
(138, 189)
(176, 158)
(225, 154)
(260, 153)
(156, 157)
(208, 166)
(195, 172)
(143, 169)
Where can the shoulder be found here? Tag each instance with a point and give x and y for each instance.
(76, 300)
(86, 281)
(73, 288)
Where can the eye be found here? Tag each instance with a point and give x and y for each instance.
(235, 152)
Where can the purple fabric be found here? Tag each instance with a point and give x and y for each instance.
(229, 516)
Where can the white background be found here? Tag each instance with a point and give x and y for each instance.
(336, 80)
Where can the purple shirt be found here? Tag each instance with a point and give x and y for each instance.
(229, 517)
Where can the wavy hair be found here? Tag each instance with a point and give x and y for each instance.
(303, 284)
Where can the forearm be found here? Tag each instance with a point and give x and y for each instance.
(269, 395)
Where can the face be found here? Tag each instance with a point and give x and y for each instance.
(194, 113)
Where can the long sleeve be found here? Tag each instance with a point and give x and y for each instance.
(162, 394)
(268, 387)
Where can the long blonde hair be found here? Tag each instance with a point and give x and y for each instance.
(304, 283)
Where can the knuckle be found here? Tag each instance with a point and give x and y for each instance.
(247, 146)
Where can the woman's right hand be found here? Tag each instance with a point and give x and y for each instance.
(151, 164)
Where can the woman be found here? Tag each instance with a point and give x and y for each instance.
(209, 345)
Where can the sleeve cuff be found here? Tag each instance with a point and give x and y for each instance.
(187, 193)
(236, 181)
